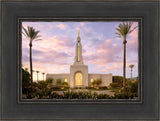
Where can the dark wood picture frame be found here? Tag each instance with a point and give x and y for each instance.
(145, 108)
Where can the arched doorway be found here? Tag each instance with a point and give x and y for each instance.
(78, 79)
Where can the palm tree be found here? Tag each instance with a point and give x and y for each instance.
(122, 31)
(131, 66)
(43, 75)
(37, 75)
(31, 34)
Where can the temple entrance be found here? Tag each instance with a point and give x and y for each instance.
(78, 79)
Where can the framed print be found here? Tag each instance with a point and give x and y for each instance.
(80, 84)
(79, 60)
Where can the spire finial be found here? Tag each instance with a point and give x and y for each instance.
(78, 32)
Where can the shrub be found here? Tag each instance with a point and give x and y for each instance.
(115, 85)
(103, 87)
(80, 95)
(58, 82)
(55, 95)
(117, 79)
(25, 81)
(65, 84)
(42, 93)
(130, 92)
(59, 88)
(42, 84)
(70, 95)
(134, 87)
(96, 83)
(49, 80)
(123, 95)
(103, 96)
(90, 88)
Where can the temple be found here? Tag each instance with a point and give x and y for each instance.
(79, 76)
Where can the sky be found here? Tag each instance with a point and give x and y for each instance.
(102, 51)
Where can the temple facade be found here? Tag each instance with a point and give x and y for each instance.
(79, 76)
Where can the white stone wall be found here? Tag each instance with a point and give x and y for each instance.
(78, 68)
(106, 78)
(59, 76)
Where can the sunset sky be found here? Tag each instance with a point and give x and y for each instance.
(102, 51)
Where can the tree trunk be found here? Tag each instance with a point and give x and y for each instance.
(31, 71)
(124, 65)
(131, 74)
(37, 76)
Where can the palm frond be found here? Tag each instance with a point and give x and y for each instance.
(124, 29)
(31, 33)
(37, 39)
(38, 36)
(132, 30)
(118, 35)
(25, 32)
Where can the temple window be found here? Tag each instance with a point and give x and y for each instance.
(65, 80)
(92, 80)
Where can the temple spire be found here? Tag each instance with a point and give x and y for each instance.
(78, 55)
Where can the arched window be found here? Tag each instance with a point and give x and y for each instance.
(78, 79)
(92, 80)
(65, 80)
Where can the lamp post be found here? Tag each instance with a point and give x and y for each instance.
(131, 66)
(37, 75)
(43, 75)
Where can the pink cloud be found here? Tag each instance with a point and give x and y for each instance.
(50, 43)
(55, 52)
(132, 44)
(110, 67)
(61, 26)
(106, 53)
(41, 26)
(50, 55)
(82, 23)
